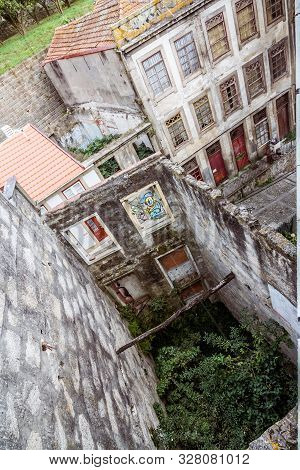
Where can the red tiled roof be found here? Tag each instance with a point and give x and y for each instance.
(91, 33)
(39, 164)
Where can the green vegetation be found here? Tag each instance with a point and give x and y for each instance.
(16, 49)
(261, 184)
(143, 151)
(222, 384)
(292, 237)
(95, 146)
(109, 168)
(290, 136)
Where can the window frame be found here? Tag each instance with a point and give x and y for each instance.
(197, 72)
(240, 104)
(149, 226)
(197, 167)
(241, 42)
(192, 105)
(284, 42)
(259, 59)
(208, 44)
(277, 20)
(189, 256)
(168, 134)
(171, 89)
(255, 124)
(97, 253)
(69, 187)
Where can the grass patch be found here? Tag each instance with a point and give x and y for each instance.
(18, 48)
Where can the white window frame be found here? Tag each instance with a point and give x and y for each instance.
(102, 248)
(148, 226)
(189, 255)
(71, 188)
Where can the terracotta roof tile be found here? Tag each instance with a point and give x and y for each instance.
(91, 33)
(39, 164)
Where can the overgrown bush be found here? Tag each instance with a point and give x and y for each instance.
(222, 383)
(95, 146)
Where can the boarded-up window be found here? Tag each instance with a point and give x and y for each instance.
(157, 74)
(230, 95)
(217, 36)
(278, 60)
(192, 168)
(187, 54)
(177, 130)
(274, 10)
(178, 267)
(246, 19)
(255, 78)
(203, 112)
(261, 127)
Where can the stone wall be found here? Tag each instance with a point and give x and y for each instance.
(221, 237)
(28, 96)
(61, 384)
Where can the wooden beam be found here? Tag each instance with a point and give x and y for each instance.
(196, 300)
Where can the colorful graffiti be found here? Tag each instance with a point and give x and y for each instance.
(148, 206)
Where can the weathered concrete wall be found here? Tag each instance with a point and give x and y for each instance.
(28, 96)
(220, 236)
(79, 395)
(96, 86)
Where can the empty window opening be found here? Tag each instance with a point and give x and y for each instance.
(177, 130)
(203, 112)
(230, 95)
(109, 167)
(192, 168)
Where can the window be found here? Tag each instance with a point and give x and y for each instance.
(217, 36)
(109, 167)
(157, 74)
(148, 209)
(230, 95)
(261, 127)
(177, 130)
(203, 112)
(73, 190)
(255, 77)
(278, 60)
(193, 169)
(90, 238)
(246, 19)
(274, 10)
(179, 267)
(187, 54)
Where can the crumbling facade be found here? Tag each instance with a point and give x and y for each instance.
(216, 79)
(62, 385)
(151, 229)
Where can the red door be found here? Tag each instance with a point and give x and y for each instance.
(96, 228)
(239, 147)
(216, 162)
(282, 106)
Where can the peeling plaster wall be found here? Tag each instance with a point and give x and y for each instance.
(97, 88)
(220, 236)
(79, 395)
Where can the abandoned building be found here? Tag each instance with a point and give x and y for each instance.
(197, 181)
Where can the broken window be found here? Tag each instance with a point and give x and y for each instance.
(255, 78)
(73, 190)
(203, 112)
(230, 95)
(217, 36)
(148, 208)
(274, 10)
(192, 168)
(246, 19)
(177, 130)
(90, 239)
(187, 54)
(278, 60)
(179, 267)
(109, 167)
(157, 74)
(261, 127)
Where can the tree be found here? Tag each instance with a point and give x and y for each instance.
(30, 6)
(14, 12)
(44, 4)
